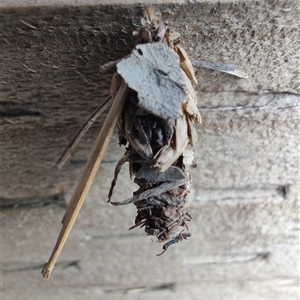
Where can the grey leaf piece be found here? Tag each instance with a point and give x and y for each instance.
(154, 191)
(154, 72)
(153, 174)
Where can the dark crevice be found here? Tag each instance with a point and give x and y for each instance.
(248, 193)
(82, 162)
(115, 236)
(167, 286)
(236, 108)
(282, 190)
(77, 162)
(19, 112)
(22, 268)
(35, 266)
(236, 259)
(73, 263)
(161, 287)
(31, 202)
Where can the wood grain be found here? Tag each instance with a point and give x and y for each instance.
(50, 83)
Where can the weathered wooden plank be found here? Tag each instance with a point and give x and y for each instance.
(250, 246)
(50, 82)
(245, 192)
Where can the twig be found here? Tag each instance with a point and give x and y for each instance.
(27, 24)
(110, 65)
(174, 241)
(87, 176)
(81, 132)
(31, 70)
(197, 63)
(220, 67)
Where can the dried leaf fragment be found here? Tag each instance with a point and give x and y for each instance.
(153, 71)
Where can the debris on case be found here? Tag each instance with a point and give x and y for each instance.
(154, 105)
(157, 128)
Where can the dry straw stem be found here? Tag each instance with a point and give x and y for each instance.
(88, 175)
(81, 132)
